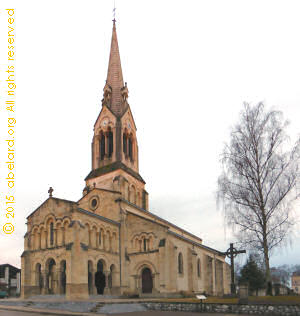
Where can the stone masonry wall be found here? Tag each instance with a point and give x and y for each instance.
(280, 310)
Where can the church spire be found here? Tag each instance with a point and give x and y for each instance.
(115, 93)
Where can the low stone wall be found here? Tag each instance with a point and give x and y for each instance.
(278, 310)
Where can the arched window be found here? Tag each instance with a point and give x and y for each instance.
(124, 143)
(199, 268)
(110, 143)
(130, 148)
(180, 263)
(145, 244)
(100, 237)
(51, 234)
(102, 146)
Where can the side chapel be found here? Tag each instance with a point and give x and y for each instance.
(108, 242)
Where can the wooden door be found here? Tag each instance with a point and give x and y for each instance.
(147, 282)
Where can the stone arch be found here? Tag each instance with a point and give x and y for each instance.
(133, 194)
(131, 147)
(145, 263)
(138, 199)
(108, 235)
(113, 277)
(59, 233)
(102, 145)
(87, 225)
(123, 186)
(150, 242)
(180, 263)
(110, 142)
(125, 142)
(198, 267)
(43, 235)
(39, 277)
(90, 276)
(50, 224)
(114, 242)
(63, 276)
(147, 280)
(51, 281)
(94, 230)
(35, 239)
(128, 193)
(101, 237)
(100, 279)
(49, 217)
(65, 226)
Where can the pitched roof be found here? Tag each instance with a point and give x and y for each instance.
(112, 167)
(115, 75)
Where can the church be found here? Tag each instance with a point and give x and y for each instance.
(108, 242)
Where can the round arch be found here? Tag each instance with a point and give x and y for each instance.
(100, 279)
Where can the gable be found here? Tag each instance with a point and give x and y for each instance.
(52, 207)
(105, 118)
(101, 202)
(128, 121)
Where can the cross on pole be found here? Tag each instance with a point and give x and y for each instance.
(232, 253)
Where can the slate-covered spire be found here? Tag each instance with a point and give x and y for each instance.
(115, 93)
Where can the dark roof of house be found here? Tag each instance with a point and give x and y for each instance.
(3, 266)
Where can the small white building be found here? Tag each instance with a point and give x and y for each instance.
(10, 279)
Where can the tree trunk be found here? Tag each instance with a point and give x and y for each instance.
(267, 266)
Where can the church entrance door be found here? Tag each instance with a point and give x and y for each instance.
(100, 278)
(63, 277)
(50, 276)
(147, 282)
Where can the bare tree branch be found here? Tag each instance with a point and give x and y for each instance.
(259, 180)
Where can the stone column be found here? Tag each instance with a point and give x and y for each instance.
(77, 263)
(106, 289)
(94, 289)
(106, 145)
(39, 240)
(46, 238)
(55, 237)
(97, 240)
(139, 284)
(63, 235)
(58, 281)
(214, 274)
(44, 282)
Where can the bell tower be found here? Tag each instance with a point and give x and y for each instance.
(114, 147)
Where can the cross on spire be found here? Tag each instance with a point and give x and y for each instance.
(50, 191)
(114, 12)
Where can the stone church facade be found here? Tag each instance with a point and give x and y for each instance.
(108, 242)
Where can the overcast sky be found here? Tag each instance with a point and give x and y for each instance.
(189, 66)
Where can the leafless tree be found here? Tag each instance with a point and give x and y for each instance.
(259, 181)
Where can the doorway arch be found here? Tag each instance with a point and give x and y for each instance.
(39, 277)
(90, 276)
(51, 282)
(147, 281)
(63, 276)
(100, 281)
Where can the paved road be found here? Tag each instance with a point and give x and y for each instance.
(13, 313)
